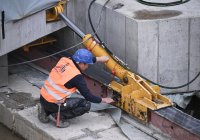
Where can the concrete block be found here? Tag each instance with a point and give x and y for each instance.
(19, 84)
(131, 49)
(49, 130)
(173, 52)
(80, 14)
(28, 129)
(3, 71)
(71, 10)
(24, 31)
(65, 39)
(6, 117)
(115, 33)
(148, 49)
(194, 52)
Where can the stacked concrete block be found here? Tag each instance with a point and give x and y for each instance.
(131, 43)
(194, 51)
(147, 49)
(161, 43)
(173, 52)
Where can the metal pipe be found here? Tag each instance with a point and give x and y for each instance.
(72, 25)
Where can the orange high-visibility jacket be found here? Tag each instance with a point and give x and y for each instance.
(53, 89)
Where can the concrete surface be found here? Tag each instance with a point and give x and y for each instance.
(161, 43)
(26, 123)
(18, 111)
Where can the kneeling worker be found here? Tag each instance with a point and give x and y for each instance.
(63, 80)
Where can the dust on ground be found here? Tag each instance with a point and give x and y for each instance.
(146, 14)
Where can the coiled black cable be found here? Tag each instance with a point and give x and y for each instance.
(89, 17)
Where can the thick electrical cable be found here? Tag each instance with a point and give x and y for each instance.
(90, 20)
(169, 87)
(126, 66)
(174, 3)
(181, 92)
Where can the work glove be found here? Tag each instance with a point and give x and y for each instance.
(102, 59)
(107, 100)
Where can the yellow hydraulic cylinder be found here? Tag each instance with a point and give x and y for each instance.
(97, 50)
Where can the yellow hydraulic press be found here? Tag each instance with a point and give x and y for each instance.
(136, 96)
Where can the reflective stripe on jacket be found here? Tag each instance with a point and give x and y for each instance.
(53, 89)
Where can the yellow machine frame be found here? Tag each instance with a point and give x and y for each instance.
(41, 41)
(136, 95)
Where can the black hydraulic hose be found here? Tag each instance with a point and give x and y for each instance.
(162, 4)
(98, 38)
(125, 65)
(181, 92)
(168, 87)
(90, 21)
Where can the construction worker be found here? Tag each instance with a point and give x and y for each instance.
(63, 80)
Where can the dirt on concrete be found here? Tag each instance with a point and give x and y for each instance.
(17, 100)
(146, 14)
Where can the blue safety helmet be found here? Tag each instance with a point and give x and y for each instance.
(83, 56)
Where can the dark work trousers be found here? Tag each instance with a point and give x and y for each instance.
(74, 107)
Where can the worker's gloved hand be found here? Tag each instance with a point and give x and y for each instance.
(107, 100)
(102, 59)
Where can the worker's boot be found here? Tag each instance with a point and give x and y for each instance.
(63, 122)
(42, 116)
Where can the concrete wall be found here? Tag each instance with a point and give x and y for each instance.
(3, 71)
(24, 31)
(165, 50)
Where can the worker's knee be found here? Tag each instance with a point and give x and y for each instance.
(86, 105)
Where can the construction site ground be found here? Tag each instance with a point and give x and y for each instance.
(18, 111)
